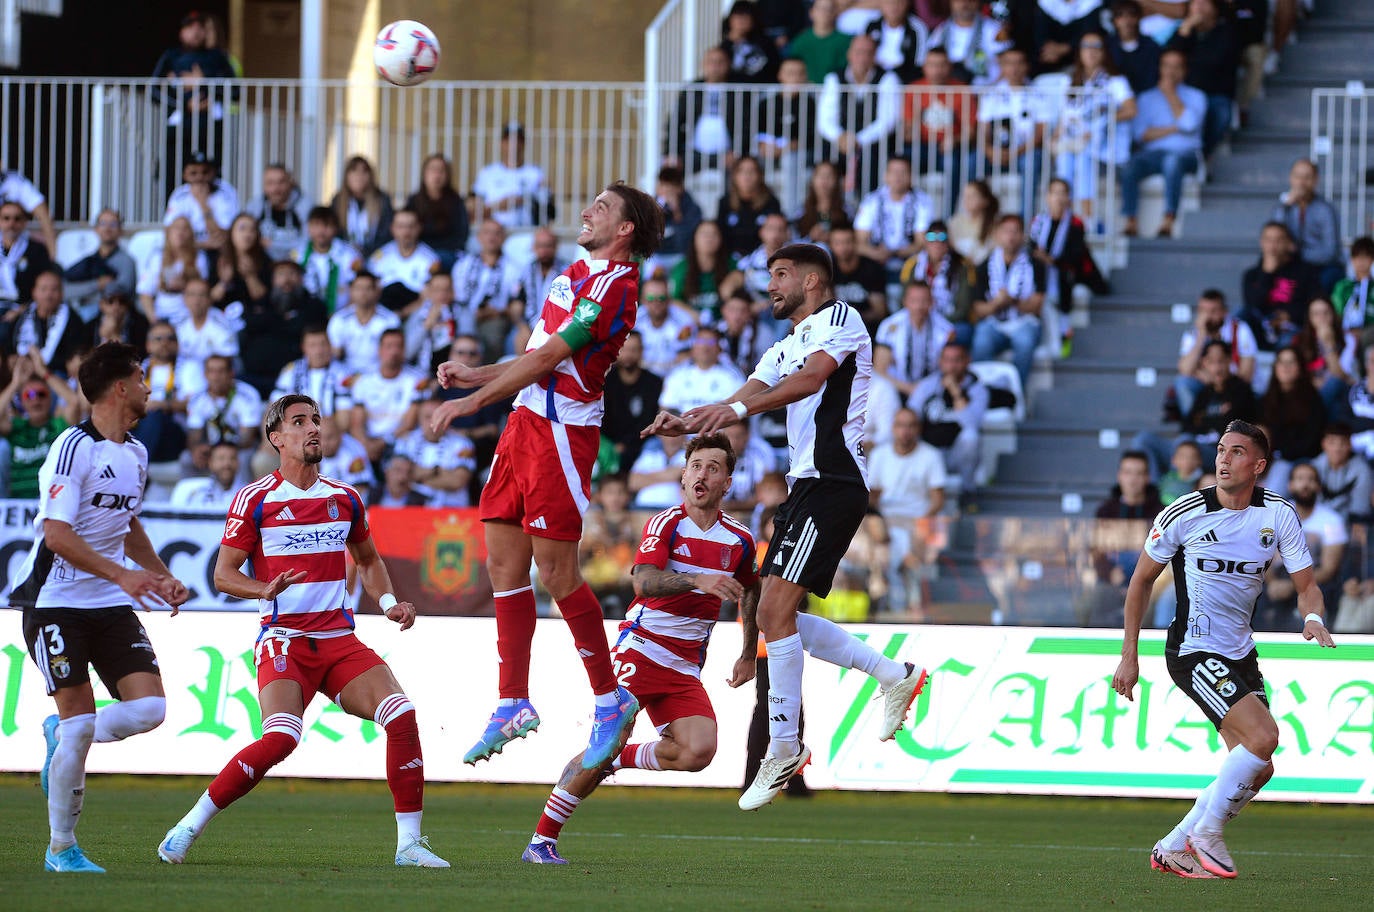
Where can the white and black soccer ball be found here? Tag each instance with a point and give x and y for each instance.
(406, 52)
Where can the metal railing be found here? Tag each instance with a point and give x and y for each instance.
(90, 143)
(1342, 132)
(673, 46)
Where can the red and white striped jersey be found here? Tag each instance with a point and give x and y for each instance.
(286, 529)
(677, 628)
(593, 302)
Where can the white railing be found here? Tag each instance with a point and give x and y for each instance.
(1342, 132)
(91, 143)
(673, 46)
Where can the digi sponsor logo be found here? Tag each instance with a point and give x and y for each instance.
(106, 501)
(1245, 568)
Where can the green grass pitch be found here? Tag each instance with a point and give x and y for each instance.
(306, 845)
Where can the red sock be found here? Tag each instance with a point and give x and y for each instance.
(405, 765)
(583, 613)
(640, 756)
(249, 766)
(515, 619)
(557, 810)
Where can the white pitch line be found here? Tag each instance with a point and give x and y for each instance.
(915, 843)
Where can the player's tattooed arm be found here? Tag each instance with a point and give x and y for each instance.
(650, 580)
(748, 617)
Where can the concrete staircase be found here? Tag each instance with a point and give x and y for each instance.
(1123, 362)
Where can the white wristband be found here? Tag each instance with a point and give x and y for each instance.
(1315, 617)
(386, 602)
(741, 410)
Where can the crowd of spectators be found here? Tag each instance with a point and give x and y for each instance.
(355, 299)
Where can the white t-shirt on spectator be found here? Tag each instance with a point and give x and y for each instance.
(413, 271)
(1233, 332)
(349, 464)
(224, 205)
(359, 340)
(884, 399)
(202, 494)
(169, 382)
(168, 305)
(663, 344)
(386, 399)
(216, 337)
(960, 40)
(449, 452)
(663, 494)
(242, 408)
(688, 386)
(906, 481)
(497, 181)
(1023, 109)
(475, 283)
(341, 262)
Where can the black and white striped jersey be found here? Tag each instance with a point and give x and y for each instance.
(825, 430)
(1219, 557)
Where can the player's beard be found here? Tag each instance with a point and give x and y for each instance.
(314, 457)
(788, 305)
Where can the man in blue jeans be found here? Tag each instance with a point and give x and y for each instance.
(1009, 298)
(1168, 134)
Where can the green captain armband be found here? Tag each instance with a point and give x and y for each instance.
(578, 330)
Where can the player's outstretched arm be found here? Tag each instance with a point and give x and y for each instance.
(231, 580)
(372, 573)
(792, 388)
(140, 585)
(138, 547)
(514, 376)
(1137, 600)
(707, 419)
(1312, 607)
(746, 666)
(456, 375)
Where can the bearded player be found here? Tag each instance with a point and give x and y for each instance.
(540, 481)
(294, 527)
(692, 558)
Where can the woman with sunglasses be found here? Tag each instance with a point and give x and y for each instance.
(29, 429)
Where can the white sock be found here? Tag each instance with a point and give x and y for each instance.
(785, 663)
(407, 828)
(200, 814)
(831, 643)
(646, 757)
(508, 701)
(608, 700)
(129, 717)
(1177, 840)
(67, 778)
(1233, 788)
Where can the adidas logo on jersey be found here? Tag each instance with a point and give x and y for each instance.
(107, 472)
(539, 523)
(1211, 537)
(286, 515)
(682, 550)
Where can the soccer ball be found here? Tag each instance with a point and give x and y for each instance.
(406, 53)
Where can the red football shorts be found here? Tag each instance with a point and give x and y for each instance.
(317, 665)
(664, 694)
(541, 476)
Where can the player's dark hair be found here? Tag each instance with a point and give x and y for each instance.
(809, 258)
(716, 441)
(1256, 435)
(276, 413)
(106, 365)
(642, 209)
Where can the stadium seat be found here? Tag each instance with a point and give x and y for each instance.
(144, 243)
(999, 424)
(74, 245)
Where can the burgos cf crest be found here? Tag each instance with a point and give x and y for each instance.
(447, 565)
(1266, 537)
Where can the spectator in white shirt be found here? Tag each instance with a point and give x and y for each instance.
(484, 287)
(909, 342)
(403, 265)
(512, 190)
(355, 331)
(1011, 293)
(16, 188)
(163, 275)
(901, 39)
(108, 270)
(207, 202)
(345, 459)
(228, 410)
(656, 476)
(316, 375)
(858, 113)
(664, 327)
(702, 380)
(1015, 119)
(432, 327)
(214, 491)
(892, 220)
(443, 462)
(906, 481)
(204, 331)
(951, 404)
(328, 262)
(753, 460)
(744, 334)
(774, 232)
(384, 400)
(1212, 323)
(282, 212)
(532, 283)
(972, 42)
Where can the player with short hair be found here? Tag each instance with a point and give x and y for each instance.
(78, 591)
(1220, 541)
(691, 558)
(820, 371)
(532, 508)
(296, 528)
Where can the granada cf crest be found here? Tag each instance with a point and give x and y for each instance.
(279, 663)
(448, 565)
(332, 507)
(725, 557)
